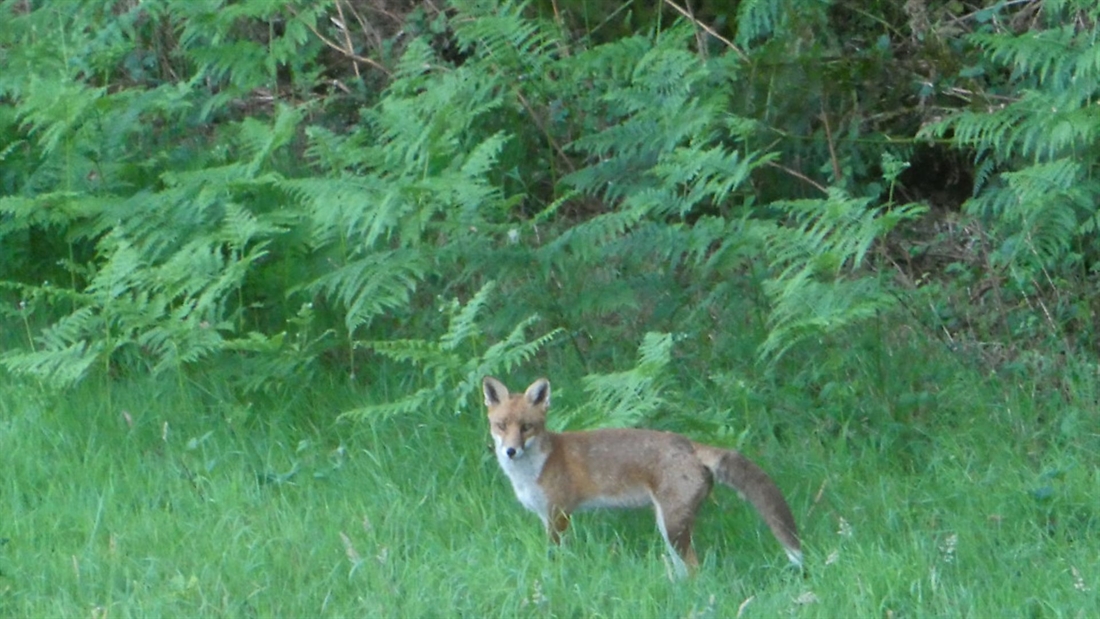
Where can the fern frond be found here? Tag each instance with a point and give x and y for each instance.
(261, 139)
(412, 404)
(514, 350)
(630, 397)
(463, 323)
(503, 36)
(1044, 206)
(371, 285)
(806, 308)
(812, 288)
(62, 367)
(454, 364)
(756, 19)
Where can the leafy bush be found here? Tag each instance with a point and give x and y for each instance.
(193, 186)
(1036, 148)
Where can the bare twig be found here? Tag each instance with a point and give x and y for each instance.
(1003, 5)
(348, 52)
(798, 175)
(829, 141)
(545, 131)
(370, 31)
(682, 11)
(700, 42)
(343, 26)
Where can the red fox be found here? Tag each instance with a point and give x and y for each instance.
(556, 474)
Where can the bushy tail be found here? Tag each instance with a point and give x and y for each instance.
(752, 483)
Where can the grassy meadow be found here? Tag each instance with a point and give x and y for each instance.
(174, 498)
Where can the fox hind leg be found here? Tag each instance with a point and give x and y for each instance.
(676, 532)
(675, 510)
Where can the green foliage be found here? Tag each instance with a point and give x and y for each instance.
(453, 366)
(216, 185)
(167, 275)
(816, 288)
(153, 297)
(154, 235)
(758, 18)
(664, 169)
(1037, 189)
(628, 398)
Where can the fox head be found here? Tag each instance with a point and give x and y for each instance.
(516, 420)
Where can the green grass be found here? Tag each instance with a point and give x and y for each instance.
(164, 500)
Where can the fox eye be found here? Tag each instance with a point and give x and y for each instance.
(525, 428)
(501, 426)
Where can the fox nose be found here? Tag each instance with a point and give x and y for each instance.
(510, 452)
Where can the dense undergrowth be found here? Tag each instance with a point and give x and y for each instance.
(186, 181)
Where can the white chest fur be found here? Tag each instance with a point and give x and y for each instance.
(524, 471)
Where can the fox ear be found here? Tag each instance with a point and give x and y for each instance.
(538, 394)
(494, 390)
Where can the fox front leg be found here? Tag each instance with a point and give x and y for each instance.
(556, 525)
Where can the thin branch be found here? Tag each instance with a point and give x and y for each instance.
(682, 11)
(625, 6)
(549, 138)
(343, 25)
(699, 40)
(829, 141)
(336, 46)
(798, 175)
